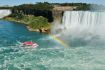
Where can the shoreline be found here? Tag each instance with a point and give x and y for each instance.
(41, 30)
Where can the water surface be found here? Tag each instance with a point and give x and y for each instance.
(50, 55)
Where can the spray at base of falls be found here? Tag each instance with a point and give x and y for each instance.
(80, 28)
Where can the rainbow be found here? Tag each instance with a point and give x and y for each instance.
(59, 40)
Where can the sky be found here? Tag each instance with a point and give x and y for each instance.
(18, 2)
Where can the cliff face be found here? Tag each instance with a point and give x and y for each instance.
(4, 13)
(58, 12)
(57, 15)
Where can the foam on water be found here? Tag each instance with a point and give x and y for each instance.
(80, 58)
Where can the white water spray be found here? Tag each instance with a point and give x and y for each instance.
(86, 27)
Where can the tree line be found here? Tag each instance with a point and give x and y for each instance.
(38, 9)
(45, 9)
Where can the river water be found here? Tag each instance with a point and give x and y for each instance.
(50, 55)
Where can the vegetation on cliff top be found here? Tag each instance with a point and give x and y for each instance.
(38, 9)
(32, 21)
(37, 6)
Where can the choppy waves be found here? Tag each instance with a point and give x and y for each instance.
(79, 58)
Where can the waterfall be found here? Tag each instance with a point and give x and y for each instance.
(4, 13)
(83, 18)
(84, 26)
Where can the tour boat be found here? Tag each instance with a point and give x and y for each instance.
(29, 44)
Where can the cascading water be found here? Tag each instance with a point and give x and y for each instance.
(83, 27)
(4, 13)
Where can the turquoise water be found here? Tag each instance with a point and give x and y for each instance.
(50, 55)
